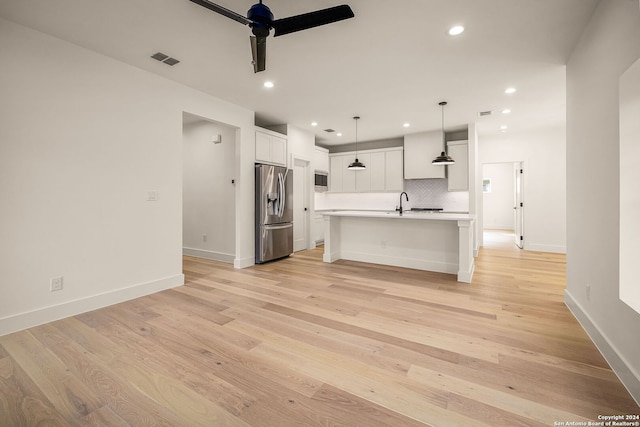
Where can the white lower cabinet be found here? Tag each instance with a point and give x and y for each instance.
(317, 229)
(384, 171)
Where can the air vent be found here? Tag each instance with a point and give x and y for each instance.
(171, 61)
(159, 56)
(485, 113)
(329, 130)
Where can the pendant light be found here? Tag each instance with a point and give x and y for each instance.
(357, 165)
(443, 159)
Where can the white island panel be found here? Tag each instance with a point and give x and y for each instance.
(433, 242)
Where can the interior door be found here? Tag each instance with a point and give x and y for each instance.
(518, 209)
(301, 193)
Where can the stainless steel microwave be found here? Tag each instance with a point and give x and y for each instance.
(321, 180)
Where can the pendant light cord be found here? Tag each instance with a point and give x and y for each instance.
(444, 144)
(356, 118)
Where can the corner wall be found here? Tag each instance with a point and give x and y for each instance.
(608, 46)
(83, 140)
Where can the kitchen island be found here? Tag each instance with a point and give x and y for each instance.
(441, 242)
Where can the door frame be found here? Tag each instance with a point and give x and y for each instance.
(517, 164)
(518, 203)
(305, 163)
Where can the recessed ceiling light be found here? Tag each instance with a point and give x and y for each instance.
(339, 134)
(268, 84)
(506, 111)
(314, 123)
(510, 90)
(406, 125)
(456, 30)
(503, 128)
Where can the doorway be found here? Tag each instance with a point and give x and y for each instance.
(301, 203)
(208, 190)
(503, 200)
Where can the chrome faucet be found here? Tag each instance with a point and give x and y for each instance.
(400, 208)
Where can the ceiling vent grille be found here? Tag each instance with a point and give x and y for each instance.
(329, 130)
(159, 56)
(485, 113)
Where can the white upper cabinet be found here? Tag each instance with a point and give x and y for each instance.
(458, 173)
(321, 159)
(271, 147)
(335, 173)
(419, 151)
(394, 171)
(384, 171)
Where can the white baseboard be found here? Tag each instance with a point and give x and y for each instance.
(544, 248)
(43, 315)
(244, 262)
(418, 264)
(629, 378)
(489, 227)
(215, 256)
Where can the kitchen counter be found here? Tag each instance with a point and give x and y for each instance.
(432, 241)
(417, 215)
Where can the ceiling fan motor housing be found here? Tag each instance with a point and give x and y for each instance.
(261, 18)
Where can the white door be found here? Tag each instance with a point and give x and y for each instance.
(300, 205)
(518, 209)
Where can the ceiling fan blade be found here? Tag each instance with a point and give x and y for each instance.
(223, 11)
(312, 19)
(259, 53)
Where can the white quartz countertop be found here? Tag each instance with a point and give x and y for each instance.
(409, 215)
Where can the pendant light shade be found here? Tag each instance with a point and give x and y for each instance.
(443, 159)
(357, 165)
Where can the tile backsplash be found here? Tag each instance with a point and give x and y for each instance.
(423, 193)
(433, 193)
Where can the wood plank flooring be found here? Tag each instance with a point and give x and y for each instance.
(302, 343)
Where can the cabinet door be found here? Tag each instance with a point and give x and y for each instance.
(279, 150)
(393, 175)
(348, 176)
(263, 147)
(363, 178)
(419, 151)
(378, 171)
(335, 174)
(271, 149)
(458, 173)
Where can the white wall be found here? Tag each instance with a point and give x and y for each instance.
(209, 194)
(608, 46)
(83, 138)
(498, 204)
(629, 179)
(543, 153)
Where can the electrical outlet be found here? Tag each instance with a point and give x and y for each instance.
(588, 291)
(204, 237)
(55, 284)
(152, 196)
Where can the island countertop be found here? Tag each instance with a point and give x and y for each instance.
(412, 215)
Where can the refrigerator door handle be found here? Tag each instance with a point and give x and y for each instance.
(278, 227)
(281, 189)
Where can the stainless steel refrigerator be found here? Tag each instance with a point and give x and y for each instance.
(274, 213)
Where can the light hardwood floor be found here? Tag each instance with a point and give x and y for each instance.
(302, 343)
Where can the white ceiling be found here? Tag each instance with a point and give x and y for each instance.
(391, 64)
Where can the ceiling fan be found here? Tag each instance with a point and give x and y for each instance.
(261, 21)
